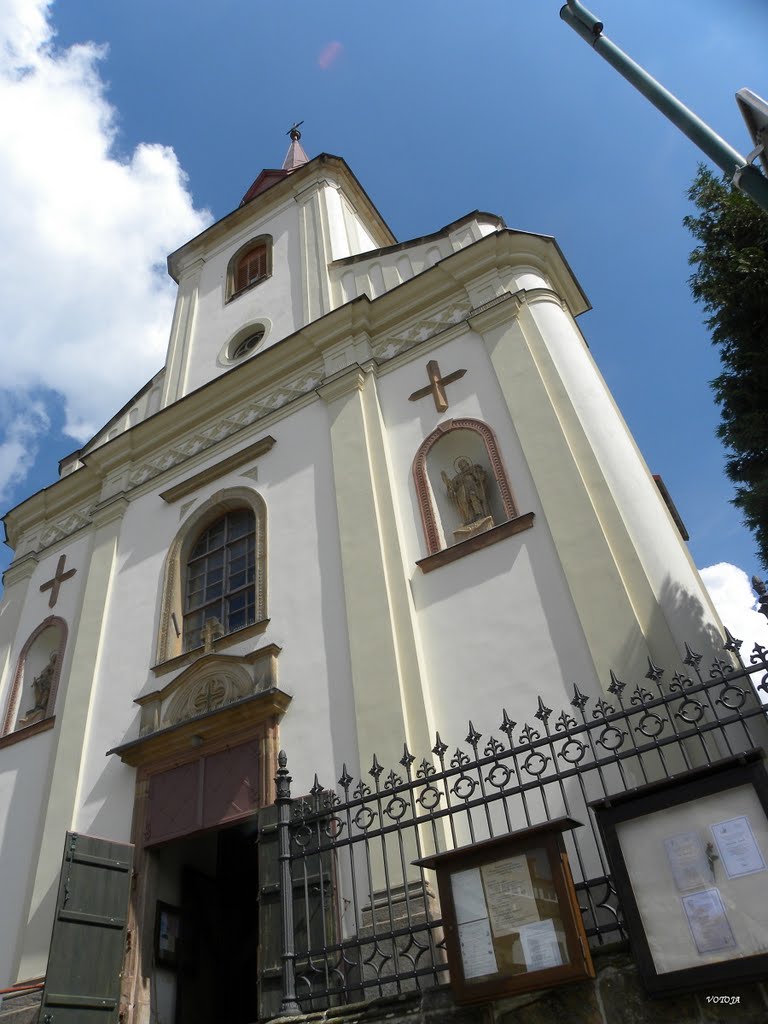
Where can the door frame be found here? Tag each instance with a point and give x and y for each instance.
(136, 995)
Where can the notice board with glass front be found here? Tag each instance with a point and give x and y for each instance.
(689, 858)
(511, 918)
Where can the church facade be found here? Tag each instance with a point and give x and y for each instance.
(378, 488)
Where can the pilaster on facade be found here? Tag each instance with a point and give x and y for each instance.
(562, 471)
(182, 329)
(389, 698)
(79, 674)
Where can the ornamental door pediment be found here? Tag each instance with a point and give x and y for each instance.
(218, 695)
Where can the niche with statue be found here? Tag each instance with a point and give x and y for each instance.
(461, 484)
(33, 692)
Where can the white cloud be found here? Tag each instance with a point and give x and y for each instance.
(84, 309)
(736, 604)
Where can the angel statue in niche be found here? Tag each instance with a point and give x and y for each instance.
(468, 491)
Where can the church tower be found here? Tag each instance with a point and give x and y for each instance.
(377, 489)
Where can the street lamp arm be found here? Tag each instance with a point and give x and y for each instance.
(743, 174)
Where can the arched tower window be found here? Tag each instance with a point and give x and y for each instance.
(251, 263)
(215, 573)
(33, 692)
(220, 577)
(461, 484)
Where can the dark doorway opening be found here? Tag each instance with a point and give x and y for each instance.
(213, 879)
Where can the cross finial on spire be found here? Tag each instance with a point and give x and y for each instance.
(295, 157)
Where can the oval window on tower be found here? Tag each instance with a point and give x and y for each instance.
(248, 344)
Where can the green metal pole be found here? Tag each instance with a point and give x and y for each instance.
(744, 175)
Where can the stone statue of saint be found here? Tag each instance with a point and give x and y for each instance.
(468, 491)
(41, 686)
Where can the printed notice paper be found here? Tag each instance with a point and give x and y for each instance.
(738, 847)
(468, 896)
(477, 956)
(708, 922)
(688, 860)
(509, 894)
(540, 947)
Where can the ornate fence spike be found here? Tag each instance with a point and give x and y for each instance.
(580, 700)
(543, 712)
(654, 673)
(317, 789)
(376, 768)
(528, 734)
(564, 722)
(616, 686)
(640, 695)
(692, 658)
(407, 759)
(346, 779)
(507, 725)
(731, 643)
(473, 736)
(439, 748)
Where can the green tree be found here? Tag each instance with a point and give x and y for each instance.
(730, 280)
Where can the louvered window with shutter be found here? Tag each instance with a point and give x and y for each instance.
(249, 265)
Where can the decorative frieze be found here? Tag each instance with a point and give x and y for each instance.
(389, 346)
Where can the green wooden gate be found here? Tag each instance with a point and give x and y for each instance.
(85, 963)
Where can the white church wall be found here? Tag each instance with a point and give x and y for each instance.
(305, 606)
(23, 779)
(36, 607)
(665, 559)
(278, 298)
(502, 615)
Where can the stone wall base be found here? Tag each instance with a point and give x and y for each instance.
(20, 1007)
(614, 997)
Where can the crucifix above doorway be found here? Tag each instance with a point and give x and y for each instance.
(436, 386)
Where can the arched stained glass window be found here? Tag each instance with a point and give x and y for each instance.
(220, 580)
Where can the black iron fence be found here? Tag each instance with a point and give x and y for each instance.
(359, 920)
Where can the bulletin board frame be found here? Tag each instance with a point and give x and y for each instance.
(703, 875)
(498, 855)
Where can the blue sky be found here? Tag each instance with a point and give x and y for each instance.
(138, 121)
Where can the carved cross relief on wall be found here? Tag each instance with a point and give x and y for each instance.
(54, 584)
(436, 386)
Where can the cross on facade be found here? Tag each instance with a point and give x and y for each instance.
(436, 386)
(59, 577)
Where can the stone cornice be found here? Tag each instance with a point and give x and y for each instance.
(343, 383)
(191, 484)
(21, 570)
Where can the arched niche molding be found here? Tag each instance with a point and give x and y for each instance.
(170, 642)
(36, 679)
(453, 440)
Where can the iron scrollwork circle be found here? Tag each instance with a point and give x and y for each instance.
(651, 725)
(535, 763)
(499, 776)
(611, 738)
(572, 751)
(364, 818)
(686, 716)
(396, 808)
(464, 787)
(429, 798)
